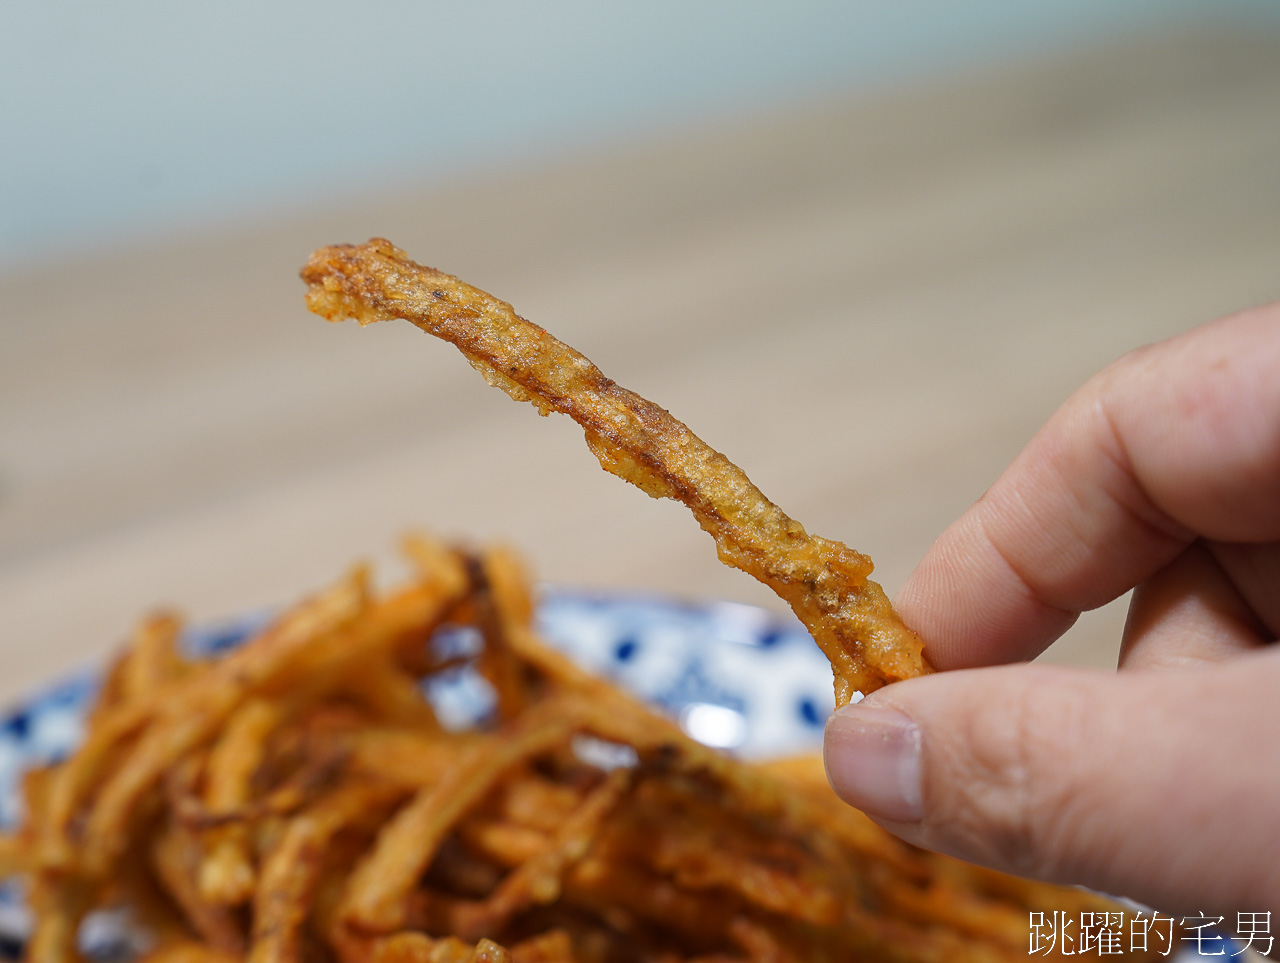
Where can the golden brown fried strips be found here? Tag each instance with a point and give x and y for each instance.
(227, 876)
(364, 834)
(291, 870)
(824, 581)
(538, 879)
(381, 885)
(176, 856)
(194, 714)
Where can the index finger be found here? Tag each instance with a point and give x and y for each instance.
(1174, 441)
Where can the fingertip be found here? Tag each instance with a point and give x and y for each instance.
(1071, 775)
(872, 757)
(980, 763)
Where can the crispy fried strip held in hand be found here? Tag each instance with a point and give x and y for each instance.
(823, 581)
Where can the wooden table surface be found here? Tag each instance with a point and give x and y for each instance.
(870, 303)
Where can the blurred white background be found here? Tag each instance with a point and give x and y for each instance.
(136, 118)
(864, 248)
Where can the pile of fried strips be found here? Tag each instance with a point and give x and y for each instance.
(300, 800)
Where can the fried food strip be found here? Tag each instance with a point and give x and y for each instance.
(412, 947)
(72, 782)
(413, 759)
(380, 884)
(496, 664)
(226, 875)
(823, 581)
(553, 946)
(151, 659)
(692, 850)
(138, 887)
(175, 855)
(538, 802)
(505, 844)
(13, 859)
(188, 951)
(616, 888)
(198, 716)
(58, 906)
(291, 870)
(389, 692)
(327, 635)
(538, 879)
(154, 657)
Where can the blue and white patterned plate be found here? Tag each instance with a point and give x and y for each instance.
(737, 677)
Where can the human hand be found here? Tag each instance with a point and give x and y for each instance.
(1160, 782)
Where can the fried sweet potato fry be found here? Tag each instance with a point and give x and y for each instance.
(823, 581)
(376, 899)
(196, 713)
(417, 948)
(291, 870)
(151, 659)
(175, 855)
(154, 658)
(226, 874)
(58, 906)
(188, 951)
(537, 880)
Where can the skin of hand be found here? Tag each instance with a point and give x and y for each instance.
(1160, 782)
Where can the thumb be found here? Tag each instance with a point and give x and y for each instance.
(1153, 785)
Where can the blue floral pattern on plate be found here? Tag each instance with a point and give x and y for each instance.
(736, 676)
